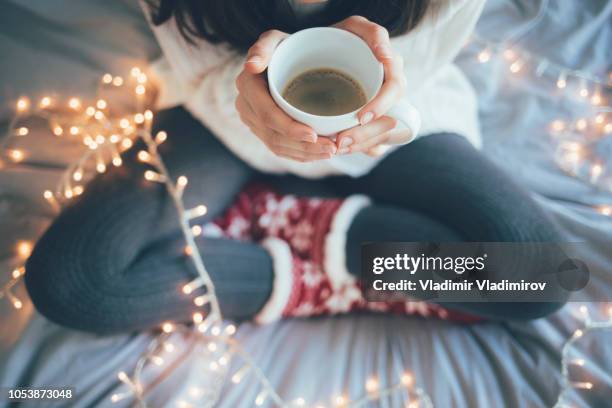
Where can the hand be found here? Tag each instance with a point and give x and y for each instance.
(376, 131)
(284, 136)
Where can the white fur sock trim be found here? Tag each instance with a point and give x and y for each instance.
(335, 242)
(282, 262)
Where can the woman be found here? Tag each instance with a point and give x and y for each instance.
(289, 245)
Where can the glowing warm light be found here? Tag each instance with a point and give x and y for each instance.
(101, 167)
(578, 333)
(148, 115)
(22, 131)
(126, 143)
(114, 138)
(407, 379)
(16, 155)
(596, 171)
(516, 66)
(17, 272)
(214, 366)
(90, 111)
(58, 131)
(581, 124)
(340, 400)
(579, 362)
(237, 377)
(371, 385)
(608, 128)
(152, 176)
(144, 156)
(230, 329)
(22, 104)
(187, 289)
(142, 78)
(596, 99)
(606, 210)
(188, 250)
(74, 103)
(107, 78)
(24, 248)
(99, 115)
(124, 123)
(198, 317)
(509, 54)
(557, 125)
(584, 92)
(117, 161)
(135, 71)
(300, 402)
(117, 81)
(169, 347)
(182, 181)
(45, 102)
(562, 81)
(122, 376)
(161, 137)
(100, 139)
(261, 398)
(101, 104)
(140, 90)
(167, 327)
(157, 360)
(215, 331)
(196, 230)
(600, 118)
(484, 56)
(77, 175)
(74, 130)
(78, 190)
(17, 304)
(200, 300)
(139, 118)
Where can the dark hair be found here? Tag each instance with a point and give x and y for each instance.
(240, 22)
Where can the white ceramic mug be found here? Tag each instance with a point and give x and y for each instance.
(327, 47)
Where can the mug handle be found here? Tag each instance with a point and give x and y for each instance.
(407, 116)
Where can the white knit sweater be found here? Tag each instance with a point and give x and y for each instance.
(202, 79)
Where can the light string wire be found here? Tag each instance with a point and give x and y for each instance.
(106, 138)
(567, 383)
(93, 123)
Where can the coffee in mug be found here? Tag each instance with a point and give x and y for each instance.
(325, 92)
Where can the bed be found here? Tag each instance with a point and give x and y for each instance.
(64, 46)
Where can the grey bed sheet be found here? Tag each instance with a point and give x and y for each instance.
(66, 45)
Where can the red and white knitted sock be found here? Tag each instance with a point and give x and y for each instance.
(314, 232)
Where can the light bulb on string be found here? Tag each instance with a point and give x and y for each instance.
(484, 55)
(23, 104)
(562, 80)
(584, 90)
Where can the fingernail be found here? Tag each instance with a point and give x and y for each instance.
(366, 118)
(346, 142)
(333, 149)
(343, 150)
(254, 59)
(383, 51)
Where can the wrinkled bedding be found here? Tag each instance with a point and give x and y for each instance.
(65, 46)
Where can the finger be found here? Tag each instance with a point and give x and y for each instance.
(378, 150)
(361, 138)
(323, 146)
(390, 92)
(376, 36)
(299, 155)
(270, 115)
(259, 55)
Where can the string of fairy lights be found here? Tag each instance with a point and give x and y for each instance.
(107, 135)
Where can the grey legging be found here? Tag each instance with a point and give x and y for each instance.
(112, 261)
